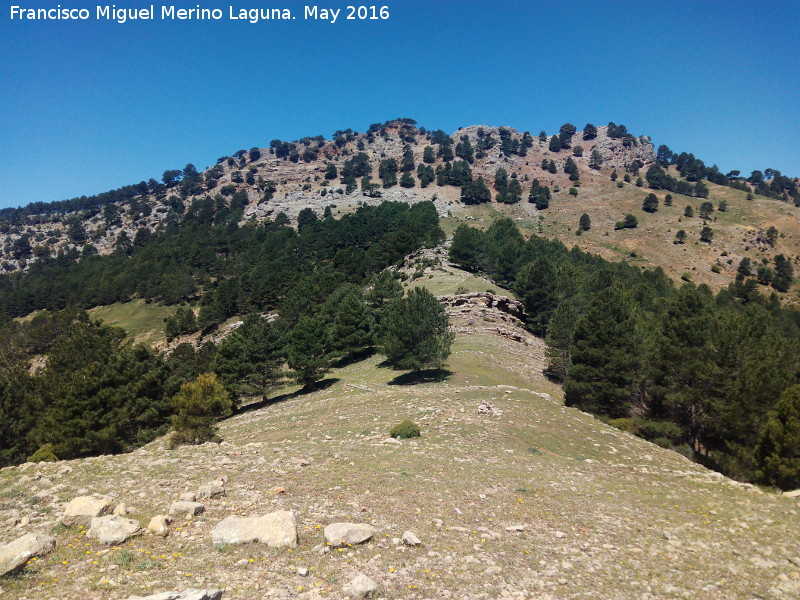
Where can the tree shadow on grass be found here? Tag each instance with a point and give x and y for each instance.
(426, 376)
(354, 358)
(306, 389)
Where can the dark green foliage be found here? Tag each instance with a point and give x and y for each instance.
(457, 173)
(383, 289)
(387, 171)
(589, 132)
(551, 167)
(688, 211)
(467, 248)
(475, 192)
(407, 163)
(415, 332)
(605, 374)
(99, 395)
(555, 144)
(650, 203)
(464, 150)
(426, 175)
(706, 208)
(565, 134)
(428, 155)
(629, 222)
(571, 168)
(181, 323)
(778, 452)
(639, 182)
(668, 200)
(405, 430)
(407, 180)
(536, 286)
(585, 222)
(540, 195)
(513, 192)
(352, 324)
(331, 172)
(706, 234)
(723, 206)
(560, 330)
(680, 236)
(784, 272)
(198, 406)
(771, 235)
(309, 349)
(248, 361)
(595, 159)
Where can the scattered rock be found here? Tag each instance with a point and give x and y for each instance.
(159, 525)
(183, 595)
(361, 587)
(792, 494)
(188, 497)
(277, 530)
(186, 507)
(278, 490)
(515, 528)
(392, 441)
(487, 408)
(15, 554)
(410, 538)
(344, 534)
(81, 510)
(113, 529)
(302, 571)
(560, 534)
(210, 490)
(121, 509)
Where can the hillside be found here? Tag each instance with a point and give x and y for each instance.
(511, 494)
(288, 177)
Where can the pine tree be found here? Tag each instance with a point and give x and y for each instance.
(467, 248)
(650, 203)
(595, 160)
(585, 222)
(198, 406)
(605, 374)
(383, 290)
(555, 144)
(778, 453)
(559, 341)
(415, 332)
(309, 348)
(353, 326)
(249, 360)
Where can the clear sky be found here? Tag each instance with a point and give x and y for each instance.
(88, 106)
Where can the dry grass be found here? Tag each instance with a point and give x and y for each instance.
(596, 505)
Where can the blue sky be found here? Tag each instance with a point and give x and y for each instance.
(90, 106)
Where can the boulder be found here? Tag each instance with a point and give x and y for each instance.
(112, 530)
(81, 510)
(277, 530)
(159, 525)
(183, 595)
(345, 534)
(410, 538)
(210, 490)
(361, 587)
(183, 507)
(16, 554)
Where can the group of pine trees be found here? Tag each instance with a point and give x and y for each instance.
(710, 375)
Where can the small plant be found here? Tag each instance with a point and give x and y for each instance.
(535, 451)
(124, 559)
(406, 429)
(573, 191)
(223, 547)
(44, 454)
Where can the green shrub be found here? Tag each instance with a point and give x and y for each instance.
(44, 454)
(622, 424)
(573, 191)
(404, 430)
(198, 406)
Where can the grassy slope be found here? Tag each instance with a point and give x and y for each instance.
(597, 504)
(142, 321)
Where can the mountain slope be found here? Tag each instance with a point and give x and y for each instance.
(289, 177)
(602, 514)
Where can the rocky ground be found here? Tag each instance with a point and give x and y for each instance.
(509, 494)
